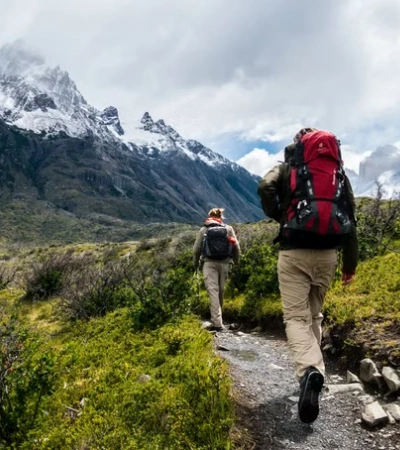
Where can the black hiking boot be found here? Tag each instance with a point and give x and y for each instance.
(310, 388)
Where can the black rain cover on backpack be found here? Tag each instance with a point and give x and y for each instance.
(215, 243)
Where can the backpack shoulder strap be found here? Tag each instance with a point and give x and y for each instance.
(298, 155)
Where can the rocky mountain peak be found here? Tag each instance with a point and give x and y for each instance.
(110, 116)
(39, 98)
(147, 117)
(159, 127)
(147, 122)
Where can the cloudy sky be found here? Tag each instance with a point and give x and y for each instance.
(241, 76)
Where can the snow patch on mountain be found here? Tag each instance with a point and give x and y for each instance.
(42, 99)
(45, 100)
(148, 134)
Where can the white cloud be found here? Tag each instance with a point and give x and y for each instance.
(259, 69)
(352, 159)
(260, 161)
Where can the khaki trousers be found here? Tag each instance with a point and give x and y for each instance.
(215, 274)
(304, 277)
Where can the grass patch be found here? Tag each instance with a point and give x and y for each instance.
(113, 387)
(253, 311)
(374, 295)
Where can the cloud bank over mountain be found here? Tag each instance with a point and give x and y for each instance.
(259, 161)
(255, 69)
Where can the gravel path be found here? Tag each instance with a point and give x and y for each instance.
(267, 394)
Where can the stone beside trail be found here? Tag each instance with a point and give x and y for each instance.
(266, 392)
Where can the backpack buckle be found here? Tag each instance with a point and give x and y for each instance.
(304, 173)
(342, 218)
(303, 210)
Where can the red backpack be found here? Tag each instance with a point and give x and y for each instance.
(318, 215)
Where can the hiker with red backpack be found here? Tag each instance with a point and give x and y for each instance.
(217, 247)
(312, 199)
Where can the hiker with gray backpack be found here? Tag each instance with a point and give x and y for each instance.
(216, 248)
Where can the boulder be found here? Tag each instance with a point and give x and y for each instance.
(370, 373)
(337, 388)
(392, 379)
(351, 378)
(394, 410)
(374, 415)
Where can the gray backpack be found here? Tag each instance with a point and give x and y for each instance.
(216, 244)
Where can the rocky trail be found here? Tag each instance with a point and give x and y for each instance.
(266, 393)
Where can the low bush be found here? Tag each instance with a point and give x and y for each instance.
(7, 275)
(46, 278)
(161, 298)
(157, 292)
(257, 272)
(378, 224)
(95, 290)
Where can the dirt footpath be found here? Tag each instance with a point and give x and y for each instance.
(267, 394)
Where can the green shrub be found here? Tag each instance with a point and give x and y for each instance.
(26, 377)
(256, 275)
(45, 278)
(161, 298)
(96, 289)
(378, 224)
(157, 291)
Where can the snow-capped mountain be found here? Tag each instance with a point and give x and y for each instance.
(42, 99)
(382, 166)
(38, 98)
(82, 160)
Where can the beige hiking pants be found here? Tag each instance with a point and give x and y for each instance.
(304, 277)
(215, 274)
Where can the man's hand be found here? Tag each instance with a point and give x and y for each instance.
(347, 278)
